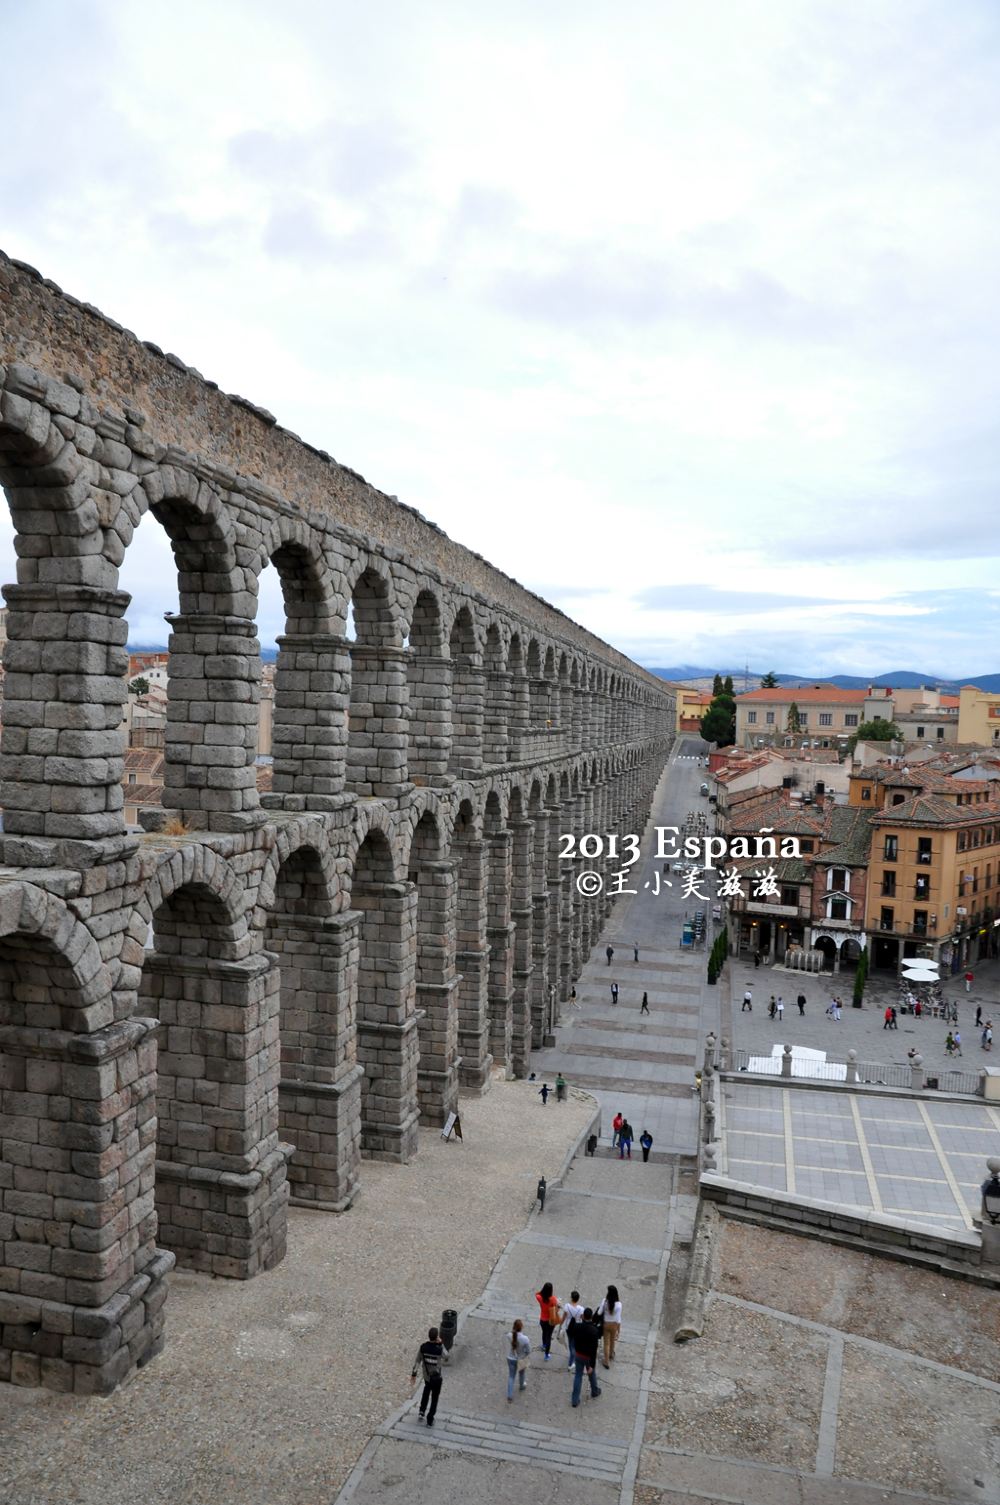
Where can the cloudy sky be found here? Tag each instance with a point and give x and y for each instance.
(686, 315)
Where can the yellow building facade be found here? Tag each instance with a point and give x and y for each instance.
(978, 716)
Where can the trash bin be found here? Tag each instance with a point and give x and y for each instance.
(449, 1327)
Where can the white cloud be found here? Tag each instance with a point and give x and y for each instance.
(619, 296)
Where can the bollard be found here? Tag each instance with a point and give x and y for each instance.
(852, 1065)
(448, 1330)
(540, 1193)
(786, 1061)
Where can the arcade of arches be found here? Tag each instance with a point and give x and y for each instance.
(233, 1007)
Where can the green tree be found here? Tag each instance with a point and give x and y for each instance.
(770, 681)
(139, 686)
(860, 978)
(794, 723)
(718, 724)
(878, 730)
(727, 685)
(717, 685)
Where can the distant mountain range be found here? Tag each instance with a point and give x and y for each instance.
(900, 679)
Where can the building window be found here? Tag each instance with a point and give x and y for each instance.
(922, 888)
(751, 718)
(803, 718)
(838, 909)
(825, 718)
(889, 885)
(920, 731)
(806, 844)
(920, 922)
(769, 718)
(131, 778)
(940, 733)
(850, 720)
(838, 877)
(866, 793)
(886, 918)
(924, 849)
(790, 897)
(891, 848)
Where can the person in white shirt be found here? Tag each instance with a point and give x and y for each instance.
(611, 1310)
(572, 1312)
(517, 1350)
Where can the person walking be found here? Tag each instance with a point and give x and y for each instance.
(560, 1088)
(979, 1016)
(772, 1007)
(644, 1006)
(756, 959)
(635, 951)
(957, 1037)
(949, 1044)
(801, 1001)
(646, 1141)
(895, 1018)
(614, 994)
(969, 979)
(518, 1352)
(781, 1009)
(747, 1002)
(625, 1141)
(585, 1340)
(616, 1127)
(887, 1019)
(572, 1314)
(609, 953)
(986, 1038)
(611, 1310)
(836, 1011)
(430, 1356)
(543, 1093)
(550, 1316)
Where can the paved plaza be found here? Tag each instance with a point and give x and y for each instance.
(922, 1158)
(860, 1029)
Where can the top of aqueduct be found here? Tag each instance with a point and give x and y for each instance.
(238, 443)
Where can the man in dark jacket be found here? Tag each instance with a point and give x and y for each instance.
(429, 1359)
(585, 1337)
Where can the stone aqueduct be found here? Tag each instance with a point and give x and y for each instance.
(201, 1021)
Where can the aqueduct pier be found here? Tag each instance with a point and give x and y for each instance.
(231, 1009)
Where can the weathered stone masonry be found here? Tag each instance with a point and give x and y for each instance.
(231, 1009)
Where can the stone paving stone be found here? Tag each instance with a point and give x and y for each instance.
(425, 1475)
(949, 1321)
(750, 1386)
(912, 1428)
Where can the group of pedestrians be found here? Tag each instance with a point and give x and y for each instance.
(623, 1135)
(776, 1007)
(585, 1330)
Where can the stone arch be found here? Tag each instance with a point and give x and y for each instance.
(388, 1049)
(319, 1097)
(433, 876)
(217, 1094)
(429, 691)
(214, 655)
(377, 718)
(304, 696)
(468, 692)
(496, 698)
(76, 1198)
(469, 855)
(519, 696)
(288, 839)
(46, 949)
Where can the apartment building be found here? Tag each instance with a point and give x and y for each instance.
(820, 715)
(978, 716)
